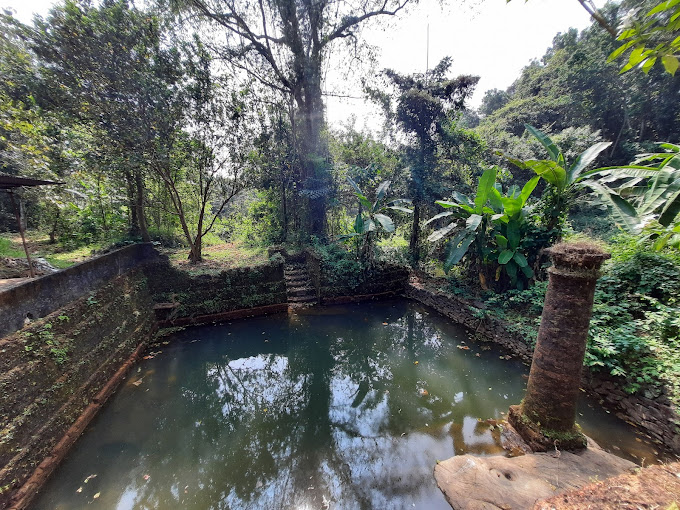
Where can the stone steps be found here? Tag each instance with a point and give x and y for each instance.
(299, 288)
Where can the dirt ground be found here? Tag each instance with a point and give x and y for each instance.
(654, 487)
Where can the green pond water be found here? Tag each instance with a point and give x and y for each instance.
(341, 407)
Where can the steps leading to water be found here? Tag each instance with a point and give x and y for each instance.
(299, 288)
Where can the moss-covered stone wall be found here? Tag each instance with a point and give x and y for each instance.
(337, 283)
(54, 368)
(206, 297)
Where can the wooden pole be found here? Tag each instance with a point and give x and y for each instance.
(17, 213)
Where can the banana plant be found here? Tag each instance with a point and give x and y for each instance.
(648, 201)
(473, 211)
(555, 170)
(371, 218)
(493, 225)
(562, 177)
(510, 217)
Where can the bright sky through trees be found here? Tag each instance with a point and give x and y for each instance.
(488, 38)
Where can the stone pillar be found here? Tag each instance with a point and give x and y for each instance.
(546, 418)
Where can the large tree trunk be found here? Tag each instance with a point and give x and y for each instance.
(133, 228)
(418, 172)
(196, 252)
(139, 206)
(315, 176)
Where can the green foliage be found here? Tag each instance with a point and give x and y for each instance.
(24, 139)
(648, 199)
(564, 179)
(494, 234)
(635, 327)
(253, 221)
(6, 249)
(573, 85)
(339, 267)
(277, 258)
(370, 219)
(424, 107)
(651, 38)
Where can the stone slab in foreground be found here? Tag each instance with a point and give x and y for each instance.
(508, 483)
(652, 487)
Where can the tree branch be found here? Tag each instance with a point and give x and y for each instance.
(595, 14)
(237, 25)
(352, 21)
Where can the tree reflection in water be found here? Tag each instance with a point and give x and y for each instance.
(343, 407)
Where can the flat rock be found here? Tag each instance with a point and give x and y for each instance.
(500, 482)
(652, 487)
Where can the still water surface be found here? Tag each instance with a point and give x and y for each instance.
(341, 407)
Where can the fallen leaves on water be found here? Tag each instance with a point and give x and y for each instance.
(138, 382)
(415, 362)
(152, 354)
(89, 478)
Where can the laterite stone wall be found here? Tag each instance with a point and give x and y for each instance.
(52, 369)
(213, 297)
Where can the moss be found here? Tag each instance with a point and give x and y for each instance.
(565, 436)
(540, 438)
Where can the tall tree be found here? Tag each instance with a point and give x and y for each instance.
(202, 143)
(422, 106)
(284, 44)
(99, 63)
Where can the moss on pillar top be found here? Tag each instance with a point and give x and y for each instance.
(578, 259)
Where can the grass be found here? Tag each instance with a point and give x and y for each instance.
(10, 249)
(219, 256)
(40, 247)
